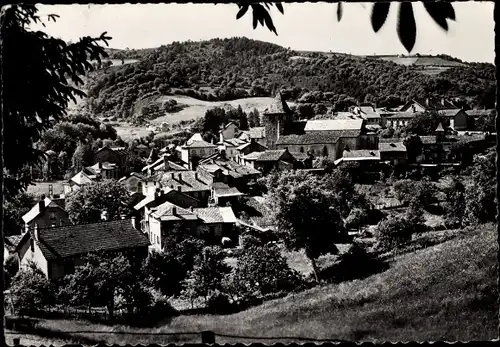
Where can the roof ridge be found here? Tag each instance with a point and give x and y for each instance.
(74, 225)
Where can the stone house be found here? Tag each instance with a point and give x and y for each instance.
(195, 149)
(271, 159)
(58, 250)
(45, 214)
(229, 131)
(392, 150)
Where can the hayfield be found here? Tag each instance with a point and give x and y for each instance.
(445, 292)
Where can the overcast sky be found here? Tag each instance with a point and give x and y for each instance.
(304, 26)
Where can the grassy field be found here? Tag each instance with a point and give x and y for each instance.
(445, 292)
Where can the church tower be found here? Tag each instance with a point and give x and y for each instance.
(276, 118)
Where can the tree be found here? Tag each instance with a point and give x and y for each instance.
(393, 232)
(424, 124)
(262, 270)
(82, 157)
(207, 275)
(30, 291)
(486, 123)
(87, 203)
(296, 196)
(413, 145)
(49, 70)
(243, 121)
(455, 204)
(14, 209)
(101, 280)
(357, 218)
(254, 118)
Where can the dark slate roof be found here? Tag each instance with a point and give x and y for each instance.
(211, 215)
(189, 180)
(73, 240)
(222, 189)
(278, 106)
(170, 212)
(361, 154)
(228, 167)
(299, 156)
(312, 137)
(404, 115)
(271, 155)
(391, 147)
(432, 103)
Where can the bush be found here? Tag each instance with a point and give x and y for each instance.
(219, 303)
(156, 312)
(393, 232)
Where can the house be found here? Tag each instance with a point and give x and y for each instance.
(457, 119)
(57, 251)
(392, 150)
(221, 169)
(258, 134)
(304, 160)
(141, 150)
(222, 194)
(45, 214)
(427, 104)
(229, 147)
(104, 170)
(115, 155)
(159, 197)
(400, 119)
(192, 183)
(229, 131)
(359, 155)
(247, 148)
(133, 182)
(369, 114)
(195, 149)
(162, 164)
(216, 223)
(166, 217)
(266, 161)
(79, 180)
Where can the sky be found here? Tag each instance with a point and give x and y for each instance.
(304, 26)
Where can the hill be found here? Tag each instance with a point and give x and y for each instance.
(229, 69)
(445, 292)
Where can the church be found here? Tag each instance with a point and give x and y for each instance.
(324, 137)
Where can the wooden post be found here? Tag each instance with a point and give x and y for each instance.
(208, 337)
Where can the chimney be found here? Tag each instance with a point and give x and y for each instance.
(41, 204)
(26, 228)
(37, 232)
(172, 175)
(196, 176)
(165, 162)
(99, 165)
(157, 192)
(442, 101)
(179, 188)
(180, 177)
(174, 210)
(133, 222)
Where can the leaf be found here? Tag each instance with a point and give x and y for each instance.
(280, 8)
(407, 29)
(339, 11)
(440, 12)
(379, 14)
(242, 11)
(270, 24)
(254, 20)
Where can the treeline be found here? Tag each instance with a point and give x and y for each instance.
(240, 67)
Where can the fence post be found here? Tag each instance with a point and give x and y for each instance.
(207, 337)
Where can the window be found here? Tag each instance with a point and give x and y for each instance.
(52, 216)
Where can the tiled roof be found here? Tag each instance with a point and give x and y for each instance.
(165, 195)
(435, 103)
(11, 242)
(478, 113)
(257, 132)
(170, 212)
(195, 137)
(391, 147)
(188, 180)
(222, 189)
(141, 146)
(404, 115)
(95, 169)
(199, 144)
(121, 151)
(72, 240)
(210, 215)
(278, 106)
(82, 178)
(271, 155)
(334, 124)
(361, 154)
(252, 156)
(134, 174)
(450, 112)
(309, 138)
(299, 156)
(228, 167)
(428, 139)
(234, 142)
(35, 210)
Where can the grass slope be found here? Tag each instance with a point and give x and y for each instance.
(446, 292)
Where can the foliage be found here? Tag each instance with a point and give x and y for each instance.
(82, 157)
(254, 118)
(413, 145)
(262, 270)
(207, 275)
(87, 203)
(30, 290)
(297, 195)
(101, 280)
(394, 232)
(424, 124)
(168, 269)
(357, 218)
(14, 209)
(47, 69)
(486, 123)
(264, 68)
(422, 192)
(455, 204)
(11, 268)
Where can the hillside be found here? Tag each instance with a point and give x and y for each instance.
(229, 69)
(445, 292)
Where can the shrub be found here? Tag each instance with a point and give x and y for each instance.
(218, 303)
(393, 232)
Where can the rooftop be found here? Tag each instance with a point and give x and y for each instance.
(223, 190)
(210, 215)
(334, 124)
(72, 240)
(228, 167)
(189, 181)
(309, 138)
(37, 209)
(361, 154)
(391, 147)
(271, 155)
(278, 106)
(170, 212)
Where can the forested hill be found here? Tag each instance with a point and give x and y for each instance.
(225, 69)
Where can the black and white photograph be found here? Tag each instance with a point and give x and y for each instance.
(254, 172)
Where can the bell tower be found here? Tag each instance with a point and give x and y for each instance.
(276, 119)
